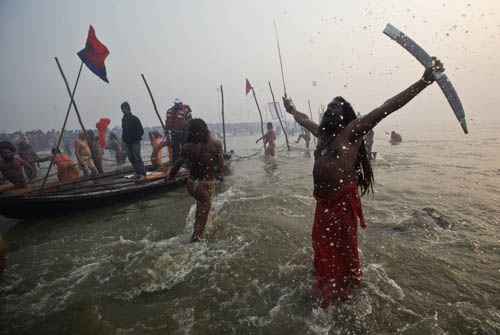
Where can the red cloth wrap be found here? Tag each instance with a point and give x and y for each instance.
(335, 243)
(102, 126)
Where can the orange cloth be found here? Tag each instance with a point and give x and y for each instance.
(157, 154)
(102, 126)
(67, 170)
(335, 243)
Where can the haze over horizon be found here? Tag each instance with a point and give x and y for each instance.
(187, 48)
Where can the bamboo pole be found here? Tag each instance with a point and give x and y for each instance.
(279, 117)
(223, 120)
(71, 97)
(280, 58)
(153, 101)
(59, 140)
(260, 114)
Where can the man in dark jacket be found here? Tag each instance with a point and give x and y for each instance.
(132, 132)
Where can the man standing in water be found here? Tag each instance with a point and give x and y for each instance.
(306, 135)
(203, 156)
(269, 139)
(341, 165)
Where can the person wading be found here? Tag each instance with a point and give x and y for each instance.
(203, 156)
(132, 132)
(269, 139)
(341, 165)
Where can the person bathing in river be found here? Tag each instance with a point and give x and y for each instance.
(203, 156)
(269, 139)
(341, 166)
(395, 138)
(306, 135)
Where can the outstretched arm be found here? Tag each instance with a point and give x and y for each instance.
(301, 118)
(361, 126)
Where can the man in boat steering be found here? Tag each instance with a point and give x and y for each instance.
(203, 156)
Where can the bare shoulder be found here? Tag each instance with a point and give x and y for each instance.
(215, 144)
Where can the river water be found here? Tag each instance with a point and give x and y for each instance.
(431, 253)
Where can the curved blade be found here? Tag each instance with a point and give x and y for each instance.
(426, 60)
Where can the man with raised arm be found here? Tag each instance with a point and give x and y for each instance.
(341, 165)
(202, 155)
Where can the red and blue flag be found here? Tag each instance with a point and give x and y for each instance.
(94, 54)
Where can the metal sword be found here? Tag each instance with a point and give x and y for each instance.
(426, 60)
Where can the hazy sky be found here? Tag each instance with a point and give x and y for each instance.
(187, 48)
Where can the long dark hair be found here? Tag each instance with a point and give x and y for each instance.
(330, 124)
(198, 131)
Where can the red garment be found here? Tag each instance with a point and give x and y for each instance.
(335, 243)
(102, 126)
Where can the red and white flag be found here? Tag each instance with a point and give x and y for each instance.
(248, 87)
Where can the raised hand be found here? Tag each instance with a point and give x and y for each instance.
(433, 71)
(289, 106)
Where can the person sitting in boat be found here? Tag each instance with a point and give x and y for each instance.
(84, 155)
(157, 143)
(26, 152)
(178, 117)
(11, 166)
(306, 135)
(202, 154)
(67, 170)
(114, 144)
(395, 138)
(269, 139)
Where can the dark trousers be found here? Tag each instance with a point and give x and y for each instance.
(178, 138)
(135, 158)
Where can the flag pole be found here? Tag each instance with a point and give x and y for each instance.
(260, 115)
(279, 117)
(223, 120)
(279, 55)
(74, 104)
(71, 97)
(153, 100)
(59, 140)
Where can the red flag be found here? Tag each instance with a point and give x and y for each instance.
(94, 55)
(248, 87)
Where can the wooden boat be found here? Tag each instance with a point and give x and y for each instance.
(66, 198)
